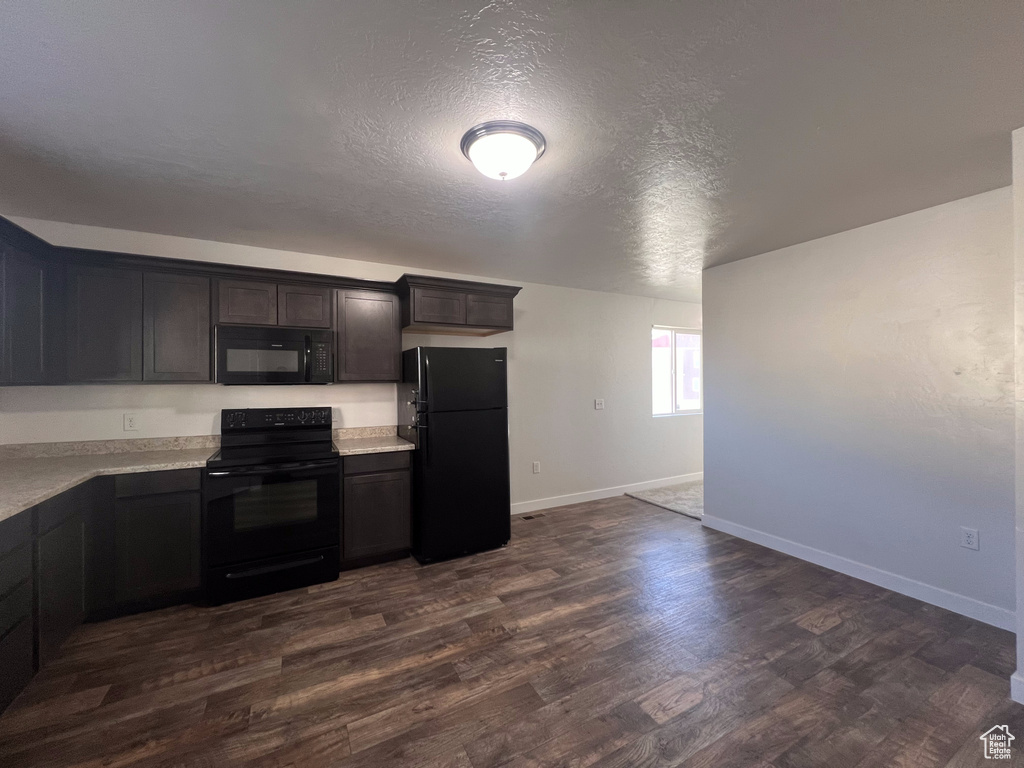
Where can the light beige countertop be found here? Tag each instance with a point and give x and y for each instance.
(353, 446)
(25, 482)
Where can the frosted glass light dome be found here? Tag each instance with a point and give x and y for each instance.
(503, 149)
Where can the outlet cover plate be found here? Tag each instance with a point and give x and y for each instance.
(599, 405)
(969, 537)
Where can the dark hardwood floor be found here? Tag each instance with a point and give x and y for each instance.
(611, 633)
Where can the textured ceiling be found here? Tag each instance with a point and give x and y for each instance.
(680, 134)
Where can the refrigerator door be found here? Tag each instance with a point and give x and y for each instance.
(462, 379)
(461, 496)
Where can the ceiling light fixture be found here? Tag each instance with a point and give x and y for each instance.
(503, 149)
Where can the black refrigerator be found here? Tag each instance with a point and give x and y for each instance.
(453, 404)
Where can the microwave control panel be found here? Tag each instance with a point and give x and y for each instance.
(321, 359)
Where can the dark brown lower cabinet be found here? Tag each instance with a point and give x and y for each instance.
(377, 517)
(16, 665)
(16, 626)
(60, 581)
(157, 541)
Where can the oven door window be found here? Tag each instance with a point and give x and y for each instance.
(258, 506)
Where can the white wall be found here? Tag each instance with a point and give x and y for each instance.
(1017, 682)
(569, 347)
(859, 399)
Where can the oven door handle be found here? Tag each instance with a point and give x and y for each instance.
(267, 469)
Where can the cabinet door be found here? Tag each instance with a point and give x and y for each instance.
(304, 306)
(104, 324)
(176, 327)
(488, 311)
(377, 514)
(60, 583)
(247, 302)
(438, 306)
(16, 664)
(29, 295)
(369, 336)
(157, 541)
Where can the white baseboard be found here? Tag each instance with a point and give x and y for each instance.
(522, 507)
(951, 601)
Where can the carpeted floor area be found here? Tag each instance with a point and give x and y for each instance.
(685, 498)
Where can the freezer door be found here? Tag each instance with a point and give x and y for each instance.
(461, 496)
(463, 379)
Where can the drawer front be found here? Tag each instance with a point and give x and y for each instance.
(16, 665)
(15, 567)
(15, 531)
(151, 483)
(488, 311)
(15, 606)
(433, 306)
(375, 462)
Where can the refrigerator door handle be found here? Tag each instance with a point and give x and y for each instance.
(422, 439)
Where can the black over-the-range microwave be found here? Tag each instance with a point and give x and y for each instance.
(260, 355)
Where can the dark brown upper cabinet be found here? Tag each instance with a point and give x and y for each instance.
(488, 311)
(430, 305)
(246, 302)
(30, 318)
(369, 336)
(176, 327)
(252, 302)
(437, 305)
(104, 324)
(304, 306)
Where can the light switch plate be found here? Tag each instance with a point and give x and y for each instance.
(536, 467)
(599, 404)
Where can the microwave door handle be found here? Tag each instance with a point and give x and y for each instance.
(309, 360)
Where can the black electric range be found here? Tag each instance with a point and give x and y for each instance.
(272, 503)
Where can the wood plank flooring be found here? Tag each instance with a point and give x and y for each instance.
(608, 634)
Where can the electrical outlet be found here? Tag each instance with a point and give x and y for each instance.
(969, 538)
(599, 405)
(536, 467)
(131, 422)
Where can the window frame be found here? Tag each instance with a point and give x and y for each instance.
(692, 332)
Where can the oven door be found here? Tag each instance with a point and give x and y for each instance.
(267, 357)
(259, 512)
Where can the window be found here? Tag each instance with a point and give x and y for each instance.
(675, 371)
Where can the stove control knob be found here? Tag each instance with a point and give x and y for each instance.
(303, 416)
